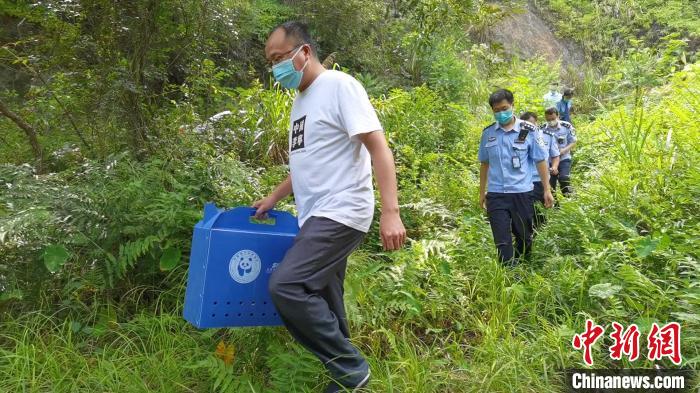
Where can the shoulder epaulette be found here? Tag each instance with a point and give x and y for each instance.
(566, 124)
(526, 128)
(488, 126)
(546, 131)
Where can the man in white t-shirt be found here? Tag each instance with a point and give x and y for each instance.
(552, 97)
(334, 138)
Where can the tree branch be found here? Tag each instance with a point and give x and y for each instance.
(55, 97)
(29, 131)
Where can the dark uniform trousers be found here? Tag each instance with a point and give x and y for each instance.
(537, 196)
(563, 178)
(511, 215)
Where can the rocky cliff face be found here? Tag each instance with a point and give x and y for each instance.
(524, 33)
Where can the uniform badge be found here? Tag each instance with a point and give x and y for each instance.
(515, 160)
(492, 138)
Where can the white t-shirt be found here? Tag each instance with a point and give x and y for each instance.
(330, 168)
(551, 99)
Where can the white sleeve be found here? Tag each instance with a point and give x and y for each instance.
(357, 115)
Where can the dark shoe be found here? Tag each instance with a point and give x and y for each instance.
(335, 387)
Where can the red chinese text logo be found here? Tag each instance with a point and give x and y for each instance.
(665, 341)
(586, 340)
(661, 342)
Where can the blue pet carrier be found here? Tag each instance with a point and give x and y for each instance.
(232, 258)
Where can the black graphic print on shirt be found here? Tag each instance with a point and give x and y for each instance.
(297, 134)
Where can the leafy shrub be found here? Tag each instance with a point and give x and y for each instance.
(119, 220)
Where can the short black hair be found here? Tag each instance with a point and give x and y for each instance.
(551, 111)
(500, 95)
(568, 92)
(528, 115)
(298, 31)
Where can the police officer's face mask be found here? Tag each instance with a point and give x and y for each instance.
(553, 123)
(504, 117)
(285, 73)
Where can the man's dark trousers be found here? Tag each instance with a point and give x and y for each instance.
(511, 214)
(564, 178)
(307, 289)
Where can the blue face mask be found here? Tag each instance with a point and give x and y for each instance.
(285, 73)
(503, 117)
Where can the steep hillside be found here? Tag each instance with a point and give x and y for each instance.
(524, 33)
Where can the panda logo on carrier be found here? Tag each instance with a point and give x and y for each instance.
(244, 266)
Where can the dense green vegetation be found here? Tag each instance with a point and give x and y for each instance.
(611, 26)
(100, 193)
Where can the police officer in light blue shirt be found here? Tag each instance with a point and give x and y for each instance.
(564, 106)
(552, 149)
(565, 135)
(508, 149)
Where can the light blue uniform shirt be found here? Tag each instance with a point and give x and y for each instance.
(564, 108)
(552, 149)
(500, 148)
(565, 135)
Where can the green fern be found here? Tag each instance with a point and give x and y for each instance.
(223, 377)
(292, 369)
(130, 252)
